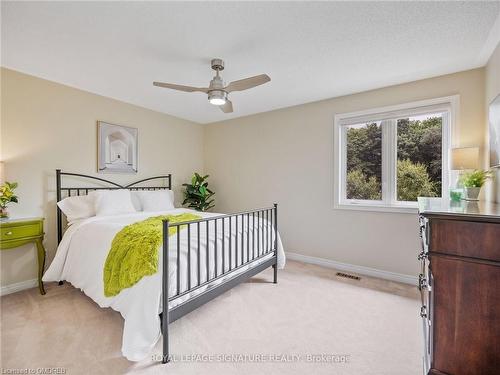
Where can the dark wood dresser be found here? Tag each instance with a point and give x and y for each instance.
(460, 286)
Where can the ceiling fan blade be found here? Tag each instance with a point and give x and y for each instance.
(247, 83)
(227, 107)
(181, 87)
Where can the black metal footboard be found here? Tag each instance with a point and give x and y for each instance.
(211, 256)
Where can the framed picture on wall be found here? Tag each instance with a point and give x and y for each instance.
(494, 118)
(116, 148)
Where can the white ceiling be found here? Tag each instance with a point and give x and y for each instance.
(311, 50)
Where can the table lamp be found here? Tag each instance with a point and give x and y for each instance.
(463, 158)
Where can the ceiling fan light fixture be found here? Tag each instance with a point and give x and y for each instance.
(217, 97)
(217, 101)
(217, 90)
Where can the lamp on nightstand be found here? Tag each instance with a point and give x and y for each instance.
(462, 159)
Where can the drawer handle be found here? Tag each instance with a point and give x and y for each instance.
(422, 282)
(423, 312)
(8, 233)
(423, 255)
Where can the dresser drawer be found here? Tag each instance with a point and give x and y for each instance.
(465, 238)
(20, 231)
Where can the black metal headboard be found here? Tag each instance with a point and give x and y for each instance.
(84, 190)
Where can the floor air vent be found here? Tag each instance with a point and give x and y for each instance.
(347, 276)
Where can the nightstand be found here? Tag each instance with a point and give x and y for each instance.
(18, 232)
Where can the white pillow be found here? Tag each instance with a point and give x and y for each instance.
(78, 207)
(157, 200)
(113, 202)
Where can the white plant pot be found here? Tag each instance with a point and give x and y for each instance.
(472, 193)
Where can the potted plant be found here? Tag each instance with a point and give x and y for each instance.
(6, 196)
(473, 181)
(197, 194)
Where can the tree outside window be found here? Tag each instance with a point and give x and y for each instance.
(418, 164)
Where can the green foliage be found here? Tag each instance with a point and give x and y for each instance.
(420, 141)
(360, 186)
(475, 178)
(197, 194)
(413, 181)
(419, 156)
(364, 150)
(7, 194)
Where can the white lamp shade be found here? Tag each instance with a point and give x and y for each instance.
(465, 158)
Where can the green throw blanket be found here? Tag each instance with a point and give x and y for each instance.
(134, 252)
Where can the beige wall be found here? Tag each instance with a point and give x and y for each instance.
(286, 156)
(492, 90)
(45, 125)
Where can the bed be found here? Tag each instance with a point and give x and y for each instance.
(206, 257)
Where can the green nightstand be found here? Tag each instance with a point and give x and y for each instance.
(18, 232)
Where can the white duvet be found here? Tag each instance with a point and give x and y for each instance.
(83, 250)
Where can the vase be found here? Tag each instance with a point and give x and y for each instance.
(456, 195)
(472, 193)
(3, 213)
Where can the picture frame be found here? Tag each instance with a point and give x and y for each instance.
(494, 132)
(117, 148)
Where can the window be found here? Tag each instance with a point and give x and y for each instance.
(387, 157)
(364, 161)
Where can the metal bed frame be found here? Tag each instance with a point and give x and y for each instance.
(232, 275)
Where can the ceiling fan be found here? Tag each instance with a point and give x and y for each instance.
(217, 90)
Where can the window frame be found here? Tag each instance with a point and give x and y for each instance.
(388, 115)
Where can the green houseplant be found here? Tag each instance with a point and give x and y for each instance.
(7, 196)
(473, 181)
(197, 194)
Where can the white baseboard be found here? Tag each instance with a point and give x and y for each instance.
(373, 272)
(367, 271)
(12, 288)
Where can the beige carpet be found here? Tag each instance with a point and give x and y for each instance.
(350, 327)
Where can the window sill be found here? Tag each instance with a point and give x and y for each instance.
(404, 209)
